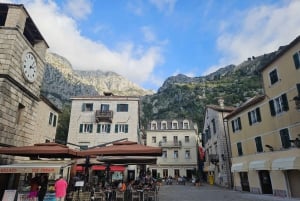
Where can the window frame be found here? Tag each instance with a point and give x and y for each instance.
(254, 116)
(258, 143)
(236, 124)
(87, 107)
(187, 154)
(285, 138)
(122, 107)
(296, 58)
(153, 139)
(86, 128)
(278, 105)
(239, 148)
(187, 139)
(121, 128)
(273, 76)
(103, 128)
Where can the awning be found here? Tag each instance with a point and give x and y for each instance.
(259, 165)
(79, 168)
(113, 168)
(32, 168)
(239, 167)
(289, 163)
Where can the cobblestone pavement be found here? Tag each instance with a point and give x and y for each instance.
(208, 192)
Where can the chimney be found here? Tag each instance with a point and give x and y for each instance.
(221, 103)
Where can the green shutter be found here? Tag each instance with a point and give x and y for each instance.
(54, 121)
(240, 124)
(298, 89)
(126, 128)
(249, 118)
(258, 115)
(83, 107)
(296, 60)
(108, 128)
(91, 128)
(116, 128)
(98, 128)
(232, 125)
(80, 128)
(118, 107)
(285, 102)
(272, 108)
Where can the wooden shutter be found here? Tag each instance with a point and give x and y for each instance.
(108, 128)
(98, 128)
(296, 60)
(258, 114)
(54, 120)
(232, 125)
(126, 128)
(91, 128)
(80, 128)
(272, 108)
(240, 123)
(116, 128)
(285, 102)
(249, 118)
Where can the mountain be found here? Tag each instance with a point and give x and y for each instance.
(61, 82)
(186, 97)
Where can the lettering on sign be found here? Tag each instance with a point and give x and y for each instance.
(8, 170)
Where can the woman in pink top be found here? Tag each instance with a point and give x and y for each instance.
(60, 189)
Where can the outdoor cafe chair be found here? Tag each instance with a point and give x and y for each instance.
(99, 196)
(120, 195)
(82, 196)
(135, 195)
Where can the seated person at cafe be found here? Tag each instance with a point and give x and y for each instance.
(122, 186)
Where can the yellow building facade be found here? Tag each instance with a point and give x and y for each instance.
(264, 132)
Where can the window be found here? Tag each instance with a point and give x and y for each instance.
(259, 147)
(285, 138)
(164, 125)
(187, 154)
(20, 113)
(175, 139)
(153, 126)
(187, 139)
(164, 138)
(103, 128)
(165, 173)
(278, 105)
(122, 107)
(121, 128)
(153, 139)
(207, 133)
(174, 125)
(254, 116)
(296, 58)
(87, 107)
(164, 154)
(273, 76)
(175, 154)
(176, 173)
(185, 125)
(236, 124)
(52, 119)
(214, 126)
(104, 107)
(86, 128)
(239, 148)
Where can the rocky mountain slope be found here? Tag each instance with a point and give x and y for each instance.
(61, 82)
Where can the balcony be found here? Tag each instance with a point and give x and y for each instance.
(105, 116)
(170, 144)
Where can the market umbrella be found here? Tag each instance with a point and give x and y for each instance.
(42, 150)
(125, 148)
(128, 160)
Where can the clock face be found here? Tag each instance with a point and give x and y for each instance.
(29, 67)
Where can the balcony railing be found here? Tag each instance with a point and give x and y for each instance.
(170, 143)
(103, 116)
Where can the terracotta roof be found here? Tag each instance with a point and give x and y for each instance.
(42, 150)
(125, 148)
(246, 105)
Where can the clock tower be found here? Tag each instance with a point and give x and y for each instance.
(22, 55)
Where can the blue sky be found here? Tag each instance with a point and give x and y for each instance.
(148, 41)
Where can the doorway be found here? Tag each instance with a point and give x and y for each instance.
(294, 182)
(265, 182)
(244, 181)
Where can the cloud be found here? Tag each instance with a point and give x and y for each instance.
(257, 31)
(166, 6)
(133, 61)
(78, 9)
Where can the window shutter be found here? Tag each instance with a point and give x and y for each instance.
(296, 60)
(82, 107)
(272, 108)
(240, 124)
(98, 128)
(91, 128)
(258, 115)
(249, 118)
(232, 125)
(126, 128)
(118, 107)
(116, 128)
(108, 128)
(285, 102)
(80, 128)
(54, 121)
(298, 89)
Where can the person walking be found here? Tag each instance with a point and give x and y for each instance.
(60, 188)
(34, 188)
(43, 187)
